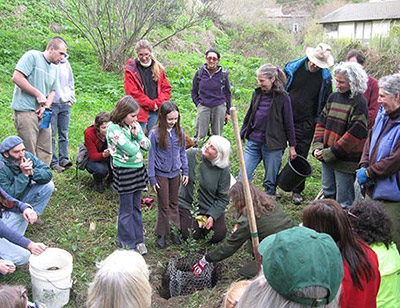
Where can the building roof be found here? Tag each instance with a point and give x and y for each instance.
(364, 11)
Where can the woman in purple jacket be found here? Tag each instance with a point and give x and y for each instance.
(268, 126)
(211, 93)
(167, 157)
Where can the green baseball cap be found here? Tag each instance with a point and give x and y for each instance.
(300, 257)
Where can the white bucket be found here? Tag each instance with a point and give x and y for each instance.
(51, 277)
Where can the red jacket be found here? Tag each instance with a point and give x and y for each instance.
(94, 145)
(133, 86)
(371, 95)
(353, 297)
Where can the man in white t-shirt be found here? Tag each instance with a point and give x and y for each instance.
(35, 78)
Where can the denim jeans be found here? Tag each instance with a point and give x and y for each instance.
(60, 124)
(253, 154)
(152, 119)
(38, 196)
(130, 225)
(99, 169)
(337, 185)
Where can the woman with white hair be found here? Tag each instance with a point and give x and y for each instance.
(213, 179)
(146, 82)
(122, 281)
(380, 161)
(268, 126)
(341, 132)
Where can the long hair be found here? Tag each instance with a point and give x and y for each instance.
(259, 294)
(327, 216)
(223, 147)
(156, 67)
(124, 106)
(122, 281)
(371, 223)
(271, 71)
(102, 117)
(355, 75)
(161, 125)
(261, 203)
(13, 296)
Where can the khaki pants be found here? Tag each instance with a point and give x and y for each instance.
(36, 140)
(393, 210)
(205, 116)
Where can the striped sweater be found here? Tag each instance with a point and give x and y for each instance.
(341, 131)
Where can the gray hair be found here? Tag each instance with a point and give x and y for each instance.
(270, 71)
(355, 75)
(259, 294)
(122, 281)
(390, 84)
(223, 147)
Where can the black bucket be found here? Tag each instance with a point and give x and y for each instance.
(294, 173)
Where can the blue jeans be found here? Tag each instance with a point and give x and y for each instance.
(337, 185)
(253, 154)
(99, 169)
(60, 123)
(38, 196)
(130, 225)
(150, 121)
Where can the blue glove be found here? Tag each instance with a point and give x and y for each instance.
(362, 176)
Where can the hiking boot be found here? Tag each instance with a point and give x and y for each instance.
(161, 242)
(66, 164)
(141, 248)
(175, 238)
(297, 199)
(99, 187)
(58, 168)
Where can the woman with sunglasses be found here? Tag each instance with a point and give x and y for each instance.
(211, 93)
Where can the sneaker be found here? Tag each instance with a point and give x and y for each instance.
(297, 198)
(66, 164)
(58, 168)
(141, 248)
(99, 187)
(161, 242)
(176, 239)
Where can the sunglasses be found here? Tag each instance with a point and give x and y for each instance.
(215, 59)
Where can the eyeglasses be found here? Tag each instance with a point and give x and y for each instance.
(215, 59)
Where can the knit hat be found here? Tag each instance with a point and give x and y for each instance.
(300, 257)
(321, 55)
(9, 143)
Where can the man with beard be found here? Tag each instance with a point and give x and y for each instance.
(26, 178)
(35, 79)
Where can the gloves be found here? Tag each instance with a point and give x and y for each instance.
(362, 176)
(198, 268)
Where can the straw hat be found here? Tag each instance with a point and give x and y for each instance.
(321, 55)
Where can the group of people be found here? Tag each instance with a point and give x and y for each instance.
(354, 127)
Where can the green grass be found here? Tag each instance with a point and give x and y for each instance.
(74, 205)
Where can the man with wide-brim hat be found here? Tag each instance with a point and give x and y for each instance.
(309, 85)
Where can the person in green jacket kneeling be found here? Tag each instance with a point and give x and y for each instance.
(270, 219)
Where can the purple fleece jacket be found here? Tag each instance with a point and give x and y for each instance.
(168, 162)
(209, 93)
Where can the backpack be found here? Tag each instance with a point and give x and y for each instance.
(223, 79)
(82, 157)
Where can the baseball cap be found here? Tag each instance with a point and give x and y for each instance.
(300, 257)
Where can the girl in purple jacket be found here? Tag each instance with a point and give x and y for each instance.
(167, 157)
